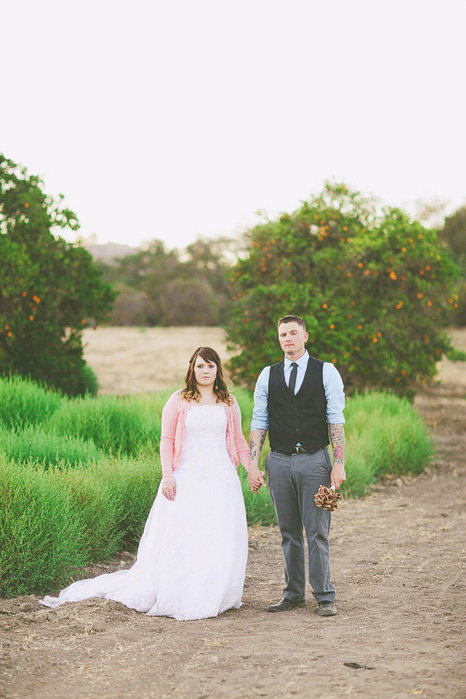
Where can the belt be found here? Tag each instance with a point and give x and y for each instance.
(296, 450)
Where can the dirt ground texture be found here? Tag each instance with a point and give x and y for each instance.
(397, 564)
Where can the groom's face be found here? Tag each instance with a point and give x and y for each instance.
(292, 338)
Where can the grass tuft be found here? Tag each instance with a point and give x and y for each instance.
(24, 402)
(115, 424)
(40, 532)
(33, 444)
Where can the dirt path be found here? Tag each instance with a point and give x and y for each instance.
(396, 565)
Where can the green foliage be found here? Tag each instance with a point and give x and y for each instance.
(50, 289)
(91, 384)
(259, 507)
(167, 287)
(453, 236)
(33, 444)
(384, 435)
(55, 520)
(459, 300)
(114, 424)
(26, 402)
(246, 405)
(134, 481)
(373, 288)
(40, 532)
(456, 355)
(99, 506)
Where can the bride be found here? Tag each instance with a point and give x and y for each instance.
(191, 559)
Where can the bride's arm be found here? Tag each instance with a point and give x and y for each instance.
(242, 448)
(167, 439)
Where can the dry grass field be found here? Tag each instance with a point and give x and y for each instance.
(142, 360)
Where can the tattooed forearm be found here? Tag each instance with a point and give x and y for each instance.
(337, 437)
(256, 443)
(252, 446)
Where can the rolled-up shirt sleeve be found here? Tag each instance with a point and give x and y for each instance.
(334, 393)
(260, 414)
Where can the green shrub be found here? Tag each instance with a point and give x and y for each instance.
(456, 355)
(26, 402)
(134, 484)
(246, 403)
(51, 288)
(99, 506)
(384, 435)
(55, 520)
(259, 506)
(40, 532)
(46, 448)
(91, 384)
(115, 424)
(375, 290)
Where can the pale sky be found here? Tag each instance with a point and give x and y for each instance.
(183, 118)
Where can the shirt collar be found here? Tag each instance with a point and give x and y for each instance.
(301, 362)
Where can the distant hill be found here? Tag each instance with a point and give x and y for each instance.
(109, 252)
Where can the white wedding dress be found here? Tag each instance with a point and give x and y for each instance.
(191, 559)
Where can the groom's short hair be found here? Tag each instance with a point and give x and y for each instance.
(292, 319)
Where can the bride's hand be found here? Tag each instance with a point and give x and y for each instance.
(256, 480)
(169, 490)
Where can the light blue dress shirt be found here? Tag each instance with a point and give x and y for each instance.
(333, 386)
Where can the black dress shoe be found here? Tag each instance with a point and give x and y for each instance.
(285, 604)
(327, 609)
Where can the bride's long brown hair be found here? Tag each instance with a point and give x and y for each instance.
(190, 392)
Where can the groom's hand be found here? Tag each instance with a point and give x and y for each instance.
(337, 475)
(256, 478)
(255, 488)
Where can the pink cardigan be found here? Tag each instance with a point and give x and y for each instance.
(173, 432)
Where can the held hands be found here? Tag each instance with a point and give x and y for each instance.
(338, 475)
(169, 489)
(256, 478)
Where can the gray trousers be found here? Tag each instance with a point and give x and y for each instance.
(293, 482)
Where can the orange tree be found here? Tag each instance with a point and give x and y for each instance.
(453, 235)
(374, 288)
(49, 289)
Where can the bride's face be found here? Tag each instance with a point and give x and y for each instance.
(204, 372)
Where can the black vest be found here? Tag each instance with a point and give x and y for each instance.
(297, 418)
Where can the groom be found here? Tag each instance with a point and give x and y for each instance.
(300, 402)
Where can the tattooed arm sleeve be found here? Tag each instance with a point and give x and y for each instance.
(256, 443)
(337, 437)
